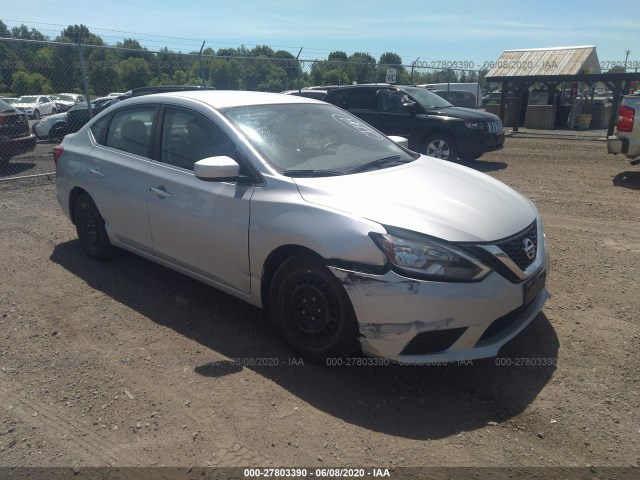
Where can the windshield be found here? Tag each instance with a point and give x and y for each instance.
(26, 100)
(313, 139)
(67, 98)
(427, 98)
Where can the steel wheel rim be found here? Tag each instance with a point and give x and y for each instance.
(89, 228)
(310, 308)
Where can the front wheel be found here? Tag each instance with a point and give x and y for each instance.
(311, 309)
(57, 134)
(90, 228)
(36, 115)
(440, 146)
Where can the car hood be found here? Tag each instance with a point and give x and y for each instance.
(24, 105)
(465, 113)
(429, 196)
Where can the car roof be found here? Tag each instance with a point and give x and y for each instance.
(229, 98)
(451, 90)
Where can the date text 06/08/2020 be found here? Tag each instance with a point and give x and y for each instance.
(316, 472)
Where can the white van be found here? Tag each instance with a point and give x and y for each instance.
(467, 87)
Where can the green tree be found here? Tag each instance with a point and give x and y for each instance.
(25, 83)
(391, 60)
(66, 71)
(4, 30)
(134, 72)
(226, 74)
(290, 65)
(361, 68)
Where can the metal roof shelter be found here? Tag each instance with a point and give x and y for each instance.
(546, 61)
(519, 69)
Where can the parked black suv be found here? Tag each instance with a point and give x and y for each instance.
(431, 124)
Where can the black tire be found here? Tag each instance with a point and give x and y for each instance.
(311, 309)
(90, 228)
(440, 145)
(54, 111)
(36, 114)
(57, 134)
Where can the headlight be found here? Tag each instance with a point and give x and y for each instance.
(475, 125)
(419, 255)
(44, 120)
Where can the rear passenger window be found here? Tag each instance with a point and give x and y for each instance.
(130, 130)
(363, 101)
(98, 129)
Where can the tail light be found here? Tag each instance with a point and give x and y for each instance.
(1, 120)
(58, 150)
(625, 118)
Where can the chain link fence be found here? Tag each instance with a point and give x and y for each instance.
(49, 81)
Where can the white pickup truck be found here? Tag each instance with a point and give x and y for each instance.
(627, 136)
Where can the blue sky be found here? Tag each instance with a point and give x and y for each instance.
(448, 30)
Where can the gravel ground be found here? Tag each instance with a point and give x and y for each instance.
(126, 363)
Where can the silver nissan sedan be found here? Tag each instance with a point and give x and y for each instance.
(348, 239)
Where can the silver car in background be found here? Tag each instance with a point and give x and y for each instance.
(348, 239)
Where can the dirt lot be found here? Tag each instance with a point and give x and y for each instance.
(126, 363)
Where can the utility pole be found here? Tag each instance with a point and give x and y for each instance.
(625, 59)
(412, 67)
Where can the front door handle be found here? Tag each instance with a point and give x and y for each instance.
(160, 191)
(96, 173)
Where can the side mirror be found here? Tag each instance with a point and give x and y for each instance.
(409, 106)
(216, 168)
(403, 142)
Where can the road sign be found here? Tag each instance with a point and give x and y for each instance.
(391, 75)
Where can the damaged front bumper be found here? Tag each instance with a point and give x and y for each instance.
(424, 322)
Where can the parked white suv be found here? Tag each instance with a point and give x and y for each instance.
(35, 106)
(627, 137)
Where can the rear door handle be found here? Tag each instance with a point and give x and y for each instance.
(96, 173)
(160, 191)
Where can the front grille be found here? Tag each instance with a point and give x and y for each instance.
(432, 341)
(514, 246)
(495, 127)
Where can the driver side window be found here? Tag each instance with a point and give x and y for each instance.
(188, 137)
(391, 102)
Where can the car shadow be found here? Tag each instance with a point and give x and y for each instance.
(629, 180)
(483, 165)
(8, 168)
(418, 402)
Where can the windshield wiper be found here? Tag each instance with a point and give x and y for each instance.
(380, 163)
(311, 173)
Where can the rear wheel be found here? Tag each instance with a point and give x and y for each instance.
(440, 146)
(311, 309)
(90, 228)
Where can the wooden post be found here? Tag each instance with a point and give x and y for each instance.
(617, 96)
